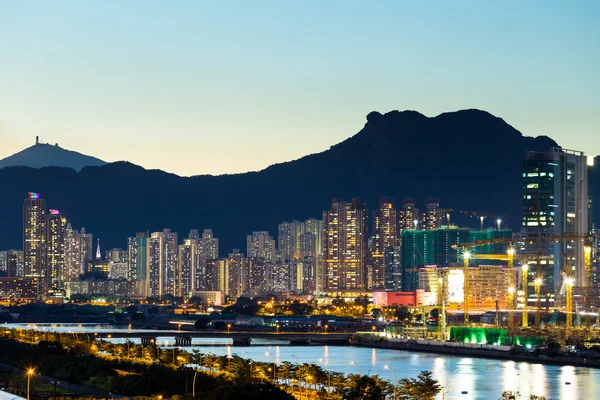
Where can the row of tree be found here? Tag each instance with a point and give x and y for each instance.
(301, 380)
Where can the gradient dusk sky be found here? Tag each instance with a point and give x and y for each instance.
(199, 87)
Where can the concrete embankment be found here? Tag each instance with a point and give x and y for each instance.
(478, 351)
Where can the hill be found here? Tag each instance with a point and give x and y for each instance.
(469, 159)
(45, 155)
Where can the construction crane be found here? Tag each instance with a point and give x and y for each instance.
(524, 285)
(441, 307)
(569, 306)
(466, 289)
(538, 292)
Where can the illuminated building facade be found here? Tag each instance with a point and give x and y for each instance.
(189, 265)
(19, 289)
(73, 267)
(11, 263)
(385, 236)
(409, 215)
(345, 245)
(433, 215)
(238, 273)
(557, 199)
(55, 253)
(258, 275)
(137, 259)
(162, 263)
(488, 284)
(261, 245)
(284, 241)
(34, 235)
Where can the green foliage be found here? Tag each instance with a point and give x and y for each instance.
(243, 306)
(424, 387)
(403, 314)
(366, 388)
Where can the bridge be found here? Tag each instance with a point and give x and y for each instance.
(184, 338)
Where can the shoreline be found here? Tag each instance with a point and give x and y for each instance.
(478, 353)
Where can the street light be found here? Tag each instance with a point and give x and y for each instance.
(357, 366)
(393, 376)
(499, 222)
(274, 366)
(328, 376)
(30, 372)
(228, 328)
(443, 385)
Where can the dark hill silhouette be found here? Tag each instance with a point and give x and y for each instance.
(45, 155)
(469, 159)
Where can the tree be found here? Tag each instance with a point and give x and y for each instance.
(366, 388)
(202, 323)
(402, 313)
(376, 313)
(422, 388)
(434, 313)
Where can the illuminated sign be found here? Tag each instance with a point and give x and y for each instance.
(456, 286)
(34, 195)
(54, 212)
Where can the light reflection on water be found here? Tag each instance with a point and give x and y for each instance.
(479, 378)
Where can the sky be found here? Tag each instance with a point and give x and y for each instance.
(214, 87)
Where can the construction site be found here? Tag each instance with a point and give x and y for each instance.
(516, 296)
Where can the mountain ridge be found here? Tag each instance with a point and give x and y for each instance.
(46, 155)
(470, 160)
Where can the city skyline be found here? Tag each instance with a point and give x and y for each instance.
(296, 86)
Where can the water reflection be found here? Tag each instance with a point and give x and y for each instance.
(481, 378)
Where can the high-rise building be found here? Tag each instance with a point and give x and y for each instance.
(238, 273)
(34, 235)
(493, 248)
(423, 248)
(392, 267)
(280, 278)
(345, 245)
(261, 245)
(409, 215)
(385, 235)
(557, 199)
(433, 216)
(138, 257)
(3, 264)
(209, 245)
(284, 241)
(54, 254)
(315, 227)
(191, 277)
(86, 246)
(298, 229)
(116, 255)
(73, 267)
(208, 249)
(162, 263)
(258, 275)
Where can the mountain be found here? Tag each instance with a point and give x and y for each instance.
(470, 160)
(45, 155)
